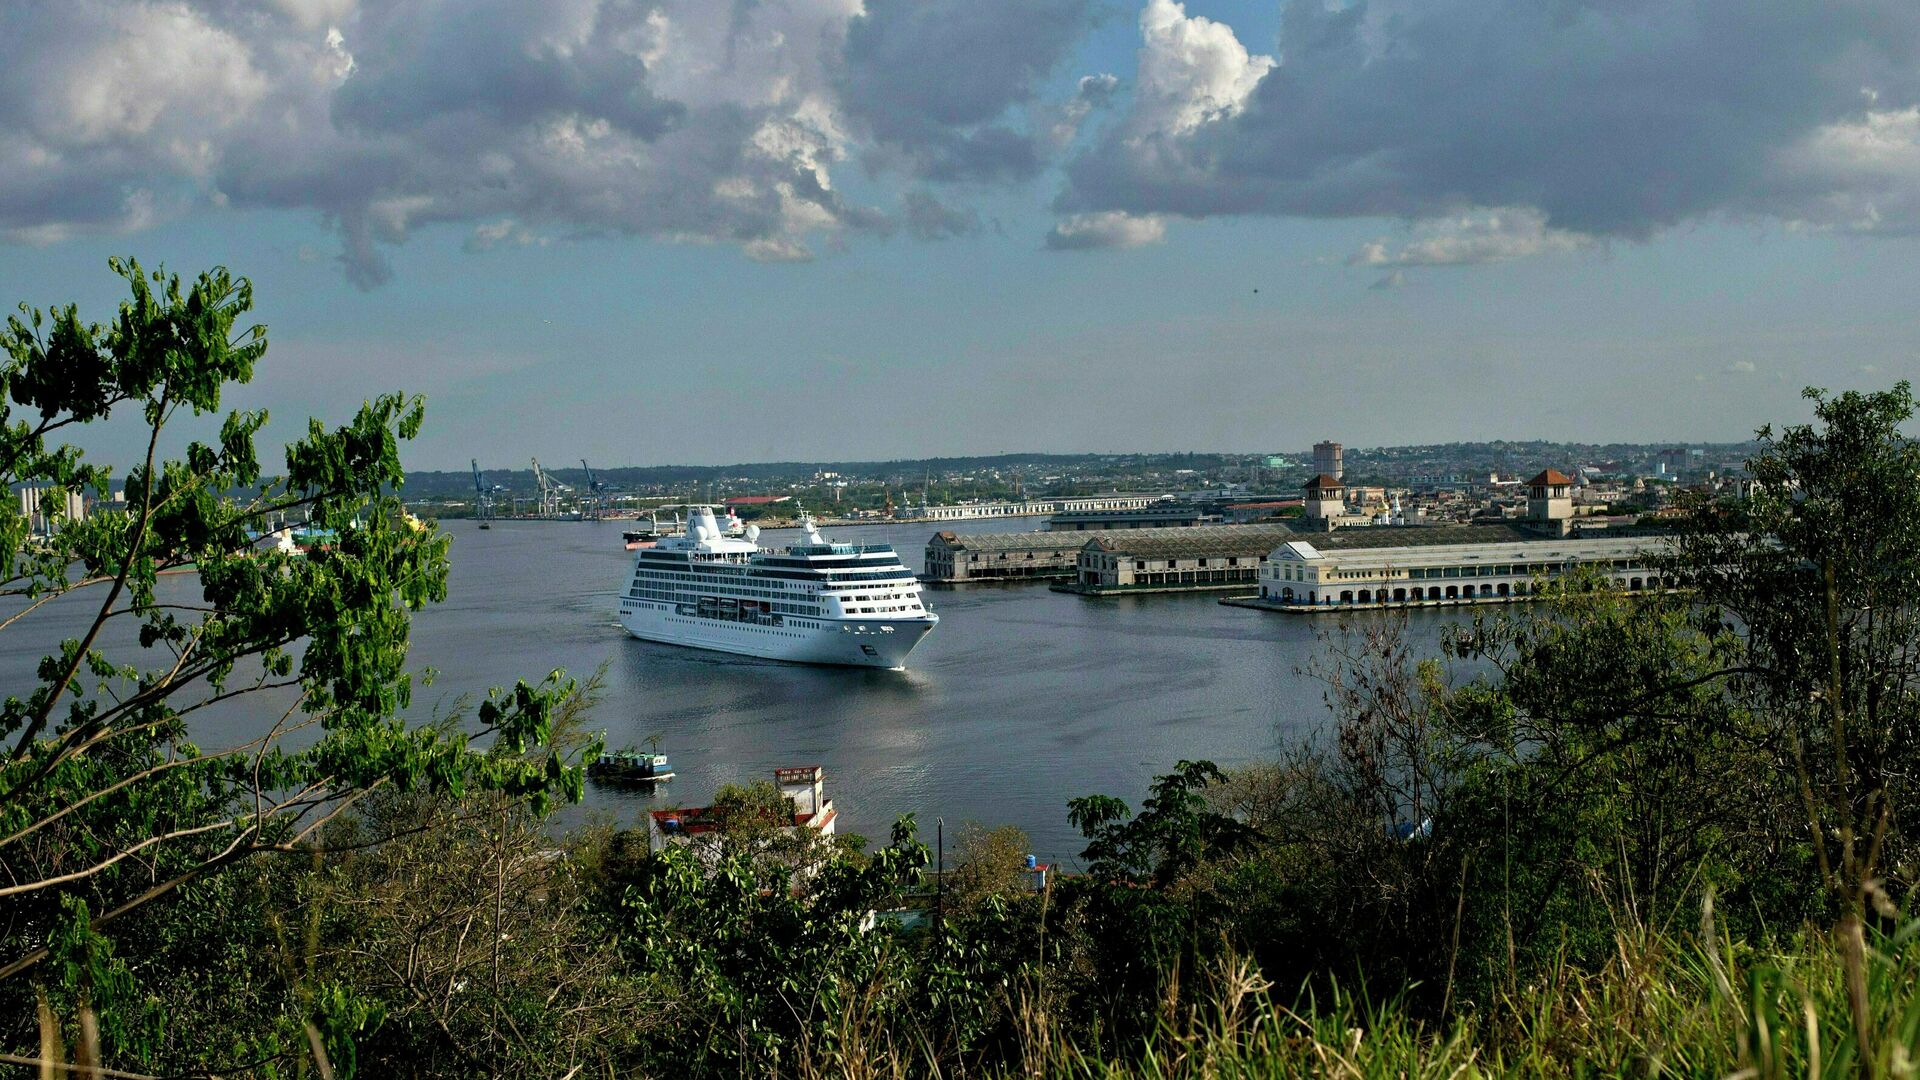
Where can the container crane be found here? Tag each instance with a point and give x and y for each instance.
(550, 490)
(482, 494)
(597, 502)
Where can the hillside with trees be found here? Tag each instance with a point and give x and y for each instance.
(1601, 834)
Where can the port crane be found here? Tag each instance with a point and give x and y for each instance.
(550, 491)
(596, 507)
(482, 494)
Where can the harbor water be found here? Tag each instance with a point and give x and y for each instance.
(1021, 699)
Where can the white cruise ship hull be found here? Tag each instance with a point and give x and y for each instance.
(852, 642)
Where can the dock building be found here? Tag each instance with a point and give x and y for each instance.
(955, 559)
(1158, 515)
(1167, 560)
(1389, 566)
(1033, 507)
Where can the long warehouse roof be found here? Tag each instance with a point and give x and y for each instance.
(1026, 541)
(1250, 539)
(1196, 541)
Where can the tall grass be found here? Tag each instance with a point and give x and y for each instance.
(1693, 1004)
(1664, 1004)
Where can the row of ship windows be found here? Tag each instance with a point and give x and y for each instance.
(671, 596)
(653, 591)
(800, 623)
(704, 578)
(671, 580)
(728, 581)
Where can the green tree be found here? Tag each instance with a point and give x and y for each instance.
(1604, 776)
(763, 968)
(116, 791)
(989, 863)
(1144, 904)
(1817, 572)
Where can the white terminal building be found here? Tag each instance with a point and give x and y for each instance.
(1389, 566)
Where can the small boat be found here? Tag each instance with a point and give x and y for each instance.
(636, 539)
(630, 766)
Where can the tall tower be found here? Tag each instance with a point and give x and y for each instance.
(1323, 500)
(1550, 499)
(1327, 460)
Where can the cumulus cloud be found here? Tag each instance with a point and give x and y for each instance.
(1607, 120)
(936, 83)
(1860, 174)
(111, 115)
(682, 119)
(1571, 122)
(1469, 239)
(1105, 229)
(1093, 93)
(1192, 71)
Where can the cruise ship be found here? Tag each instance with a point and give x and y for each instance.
(813, 603)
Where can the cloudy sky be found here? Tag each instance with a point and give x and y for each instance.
(648, 231)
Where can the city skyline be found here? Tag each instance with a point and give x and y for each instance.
(813, 230)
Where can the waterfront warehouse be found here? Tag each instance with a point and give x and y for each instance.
(1165, 515)
(957, 559)
(1393, 566)
(1447, 565)
(1166, 560)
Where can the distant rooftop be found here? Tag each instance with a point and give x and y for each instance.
(1018, 541)
(1193, 541)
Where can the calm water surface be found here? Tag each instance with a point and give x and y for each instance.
(1019, 700)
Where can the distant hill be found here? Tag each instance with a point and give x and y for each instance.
(1389, 462)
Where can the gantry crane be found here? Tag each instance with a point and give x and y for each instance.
(596, 507)
(482, 494)
(550, 491)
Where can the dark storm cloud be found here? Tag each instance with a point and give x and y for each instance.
(1611, 119)
(933, 82)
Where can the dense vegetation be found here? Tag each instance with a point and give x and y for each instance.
(1600, 834)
